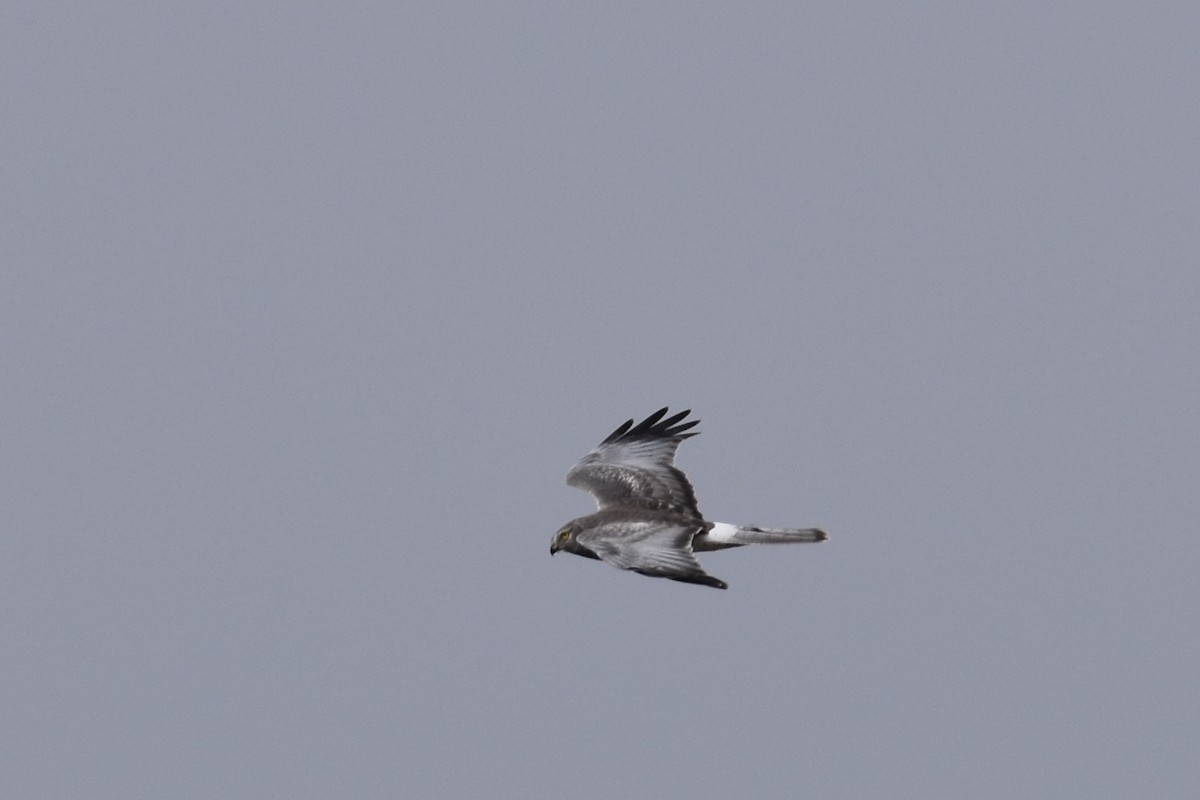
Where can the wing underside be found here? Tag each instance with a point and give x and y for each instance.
(653, 548)
(634, 467)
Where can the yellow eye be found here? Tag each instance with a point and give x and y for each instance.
(565, 535)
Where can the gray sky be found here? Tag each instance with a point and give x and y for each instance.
(306, 311)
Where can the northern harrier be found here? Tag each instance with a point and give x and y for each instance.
(648, 520)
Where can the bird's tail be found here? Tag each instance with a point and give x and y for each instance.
(754, 535)
(725, 535)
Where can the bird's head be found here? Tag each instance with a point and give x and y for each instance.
(563, 540)
(566, 539)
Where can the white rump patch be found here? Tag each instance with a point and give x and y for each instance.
(722, 533)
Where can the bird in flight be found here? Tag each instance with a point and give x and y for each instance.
(648, 520)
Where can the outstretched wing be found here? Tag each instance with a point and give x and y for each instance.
(635, 467)
(651, 547)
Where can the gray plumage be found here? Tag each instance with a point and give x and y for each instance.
(647, 519)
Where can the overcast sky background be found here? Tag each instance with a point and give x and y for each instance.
(306, 311)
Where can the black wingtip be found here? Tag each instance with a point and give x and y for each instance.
(655, 425)
(703, 579)
(655, 417)
(621, 430)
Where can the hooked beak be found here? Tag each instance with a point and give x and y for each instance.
(553, 548)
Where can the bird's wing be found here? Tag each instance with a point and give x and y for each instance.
(635, 467)
(657, 548)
